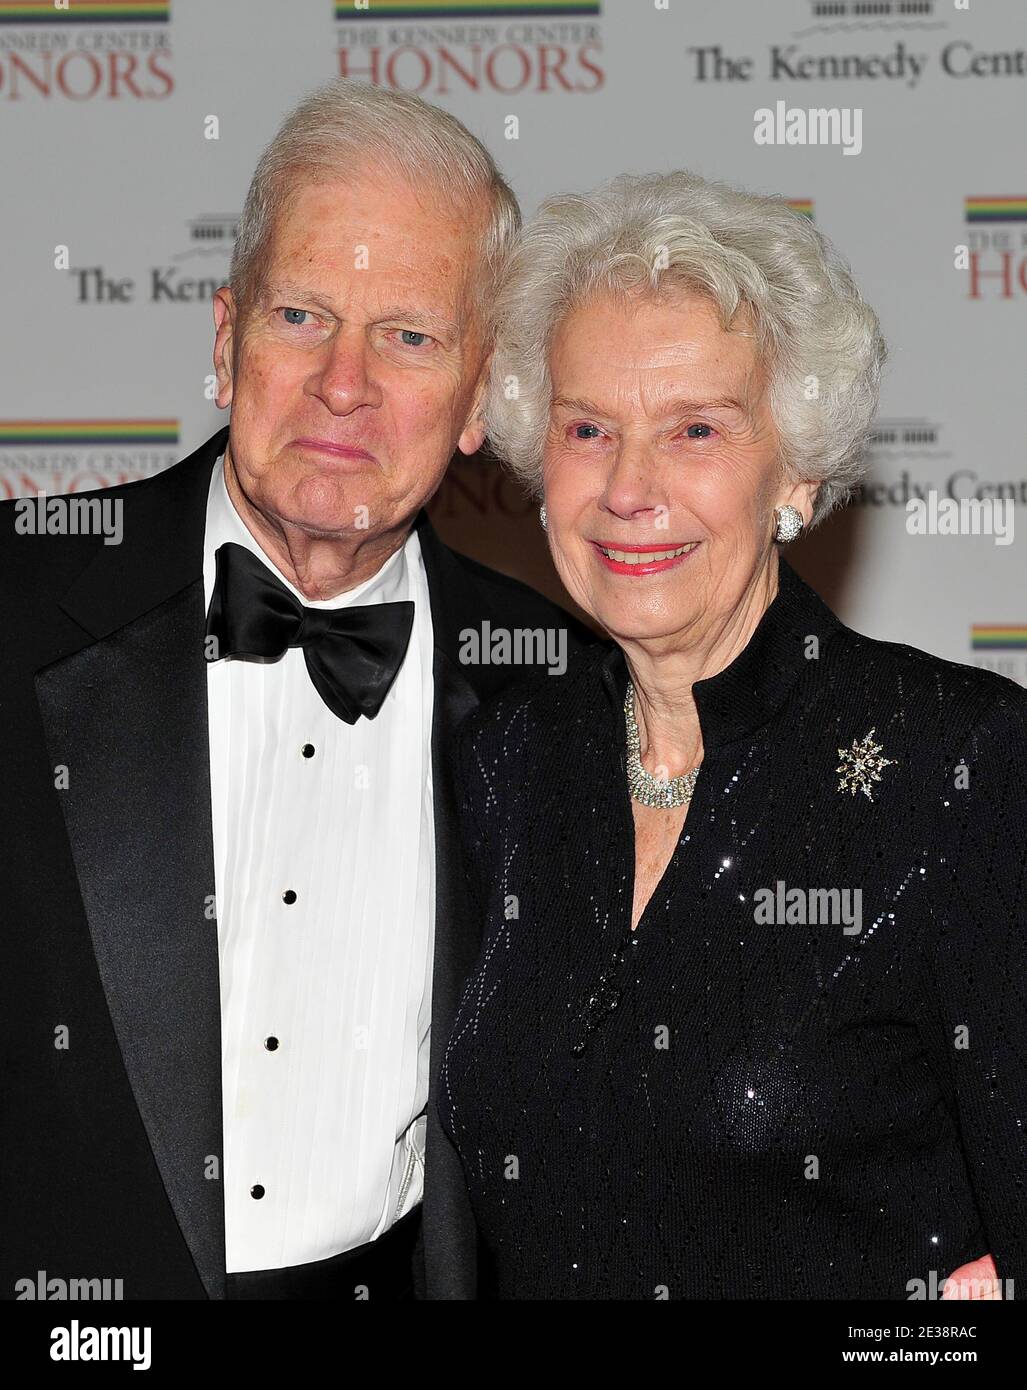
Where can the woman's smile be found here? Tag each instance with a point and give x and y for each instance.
(638, 560)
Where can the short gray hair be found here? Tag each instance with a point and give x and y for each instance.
(347, 127)
(647, 234)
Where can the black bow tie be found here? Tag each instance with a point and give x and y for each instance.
(352, 654)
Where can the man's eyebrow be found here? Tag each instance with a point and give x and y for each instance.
(283, 290)
(672, 409)
(287, 290)
(399, 312)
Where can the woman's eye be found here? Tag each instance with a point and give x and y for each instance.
(583, 431)
(707, 428)
(295, 316)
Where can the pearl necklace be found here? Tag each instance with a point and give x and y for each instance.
(644, 787)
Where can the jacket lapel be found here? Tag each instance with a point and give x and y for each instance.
(448, 1230)
(127, 716)
(455, 605)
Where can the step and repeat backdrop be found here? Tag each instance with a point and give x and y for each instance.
(130, 129)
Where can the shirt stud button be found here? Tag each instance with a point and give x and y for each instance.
(308, 750)
(271, 1044)
(256, 1192)
(289, 897)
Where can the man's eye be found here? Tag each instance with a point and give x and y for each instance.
(410, 337)
(707, 428)
(295, 316)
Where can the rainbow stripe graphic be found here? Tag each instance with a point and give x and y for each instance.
(463, 9)
(803, 205)
(35, 433)
(85, 12)
(996, 209)
(996, 637)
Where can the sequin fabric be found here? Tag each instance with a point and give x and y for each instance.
(805, 1074)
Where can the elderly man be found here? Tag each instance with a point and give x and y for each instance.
(231, 881)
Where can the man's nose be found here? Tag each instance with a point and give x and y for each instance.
(344, 377)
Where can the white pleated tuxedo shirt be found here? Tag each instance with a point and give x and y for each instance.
(325, 999)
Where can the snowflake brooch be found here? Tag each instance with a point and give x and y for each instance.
(860, 765)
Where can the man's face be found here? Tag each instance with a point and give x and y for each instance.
(357, 370)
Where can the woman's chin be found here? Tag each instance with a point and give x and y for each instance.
(624, 623)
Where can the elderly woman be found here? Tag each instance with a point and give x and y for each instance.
(749, 1016)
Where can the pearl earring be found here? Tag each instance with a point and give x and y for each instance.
(543, 518)
(788, 523)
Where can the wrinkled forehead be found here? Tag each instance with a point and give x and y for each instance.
(658, 340)
(379, 223)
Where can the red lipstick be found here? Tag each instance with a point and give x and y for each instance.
(661, 556)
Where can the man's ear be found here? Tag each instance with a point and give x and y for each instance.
(226, 317)
(472, 436)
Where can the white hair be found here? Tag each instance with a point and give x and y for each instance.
(345, 128)
(653, 233)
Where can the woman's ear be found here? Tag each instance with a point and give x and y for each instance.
(802, 496)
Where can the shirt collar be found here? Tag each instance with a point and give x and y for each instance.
(746, 694)
(391, 584)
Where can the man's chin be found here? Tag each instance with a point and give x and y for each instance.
(330, 524)
(329, 507)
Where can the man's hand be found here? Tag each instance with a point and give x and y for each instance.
(978, 1279)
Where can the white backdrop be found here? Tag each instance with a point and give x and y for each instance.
(130, 130)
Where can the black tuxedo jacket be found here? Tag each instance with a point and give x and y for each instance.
(111, 1136)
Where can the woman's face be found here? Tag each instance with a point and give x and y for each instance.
(660, 445)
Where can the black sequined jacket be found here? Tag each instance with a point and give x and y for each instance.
(805, 1074)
